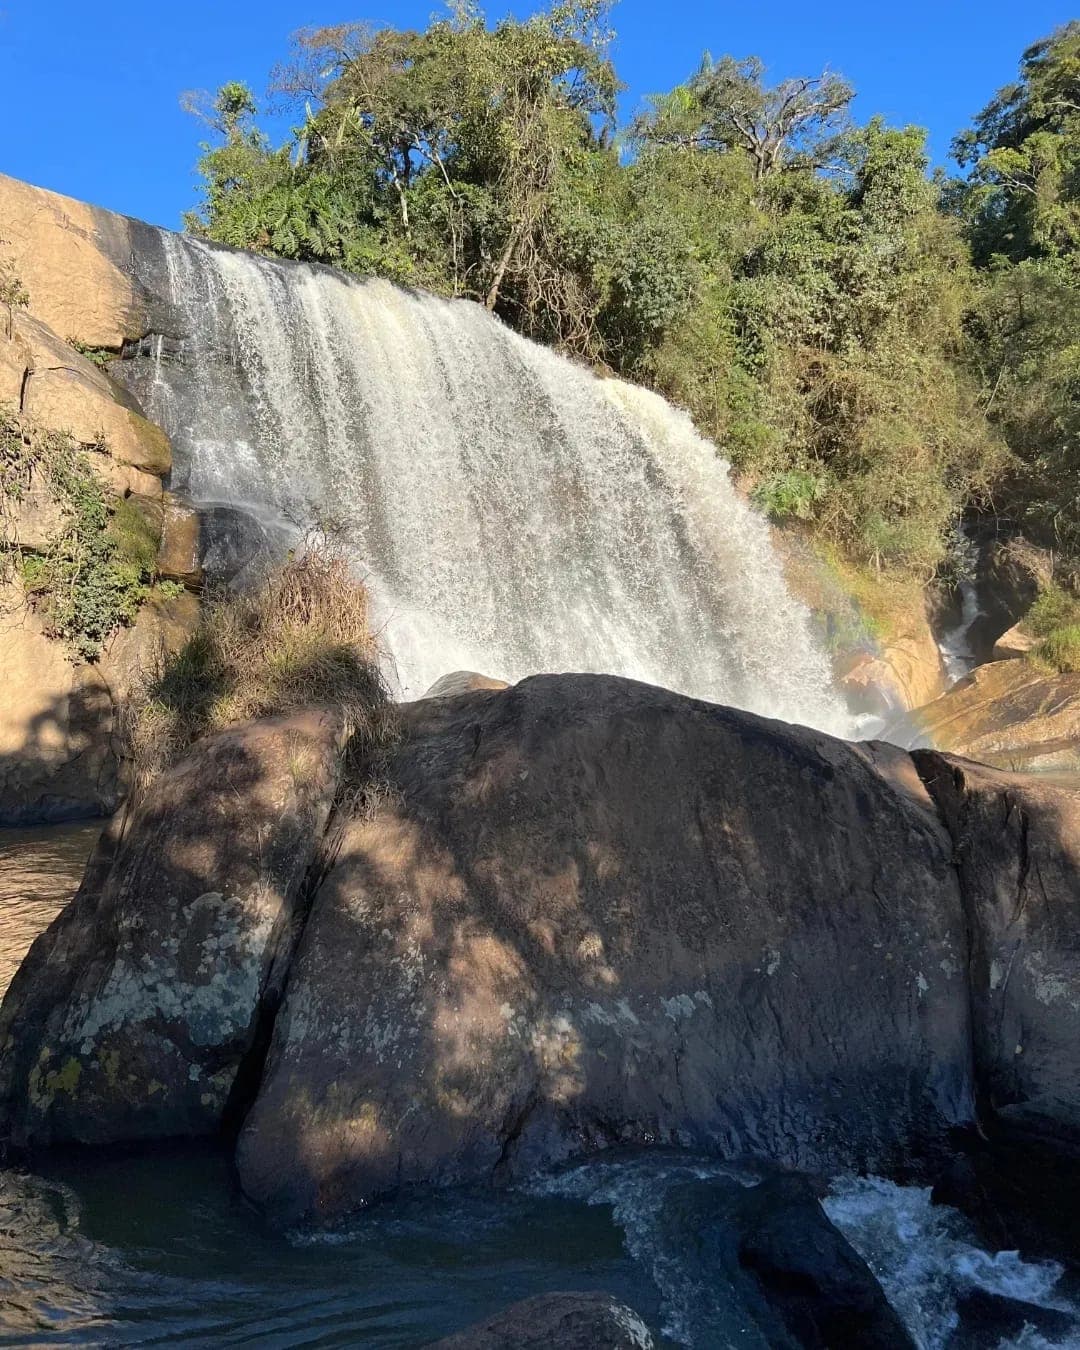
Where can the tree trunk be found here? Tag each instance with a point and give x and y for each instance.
(500, 271)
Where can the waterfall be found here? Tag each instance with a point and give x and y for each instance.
(511, 511)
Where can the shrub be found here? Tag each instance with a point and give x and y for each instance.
(791, 494)
(98, 356)
(301, 638)
(13, 293)
(1060, 650)
(1055, 608)
(96, 568)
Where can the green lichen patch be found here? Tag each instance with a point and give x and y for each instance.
(44, 1083)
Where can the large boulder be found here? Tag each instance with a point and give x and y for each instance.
(587, 911)
(137, 1010)
(462, 682)
(1009, 714)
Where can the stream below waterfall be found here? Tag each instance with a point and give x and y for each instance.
(159, 1248)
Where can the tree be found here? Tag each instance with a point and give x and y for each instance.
(1022, 204)
(466, 128)
(1023, 154)
(726, 105)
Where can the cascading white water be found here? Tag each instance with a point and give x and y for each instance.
(513, 512)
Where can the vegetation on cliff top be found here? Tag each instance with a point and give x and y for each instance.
(876, 349)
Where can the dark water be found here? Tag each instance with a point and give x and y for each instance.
(162, 1250)
(156, 1251)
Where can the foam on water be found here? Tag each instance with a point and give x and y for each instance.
(925, 1257)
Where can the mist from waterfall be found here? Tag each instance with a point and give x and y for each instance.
(511, 511)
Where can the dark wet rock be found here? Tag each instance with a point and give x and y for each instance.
(1017, 840)
(1010, 573)
(767, 1259)
(988, 1319)
(567, 1321)
(1018, 855)
(822, 1289)
(237, 547)
(137, 1009)
(1019, 1183)
(589, 911)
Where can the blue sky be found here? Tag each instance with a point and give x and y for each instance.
(91, 91)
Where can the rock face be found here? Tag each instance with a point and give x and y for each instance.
(64, 391)
(569, 1321)
(70, 256)
(1010, 714)
(136, 1010)
(906, 673)
(1010, 574)
(1018, 852)
(589, 911)
(180, 552)
(880, 675)
(57, 720)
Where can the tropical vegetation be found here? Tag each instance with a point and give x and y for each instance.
(877, 348)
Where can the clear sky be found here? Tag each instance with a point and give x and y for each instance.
(91, 90)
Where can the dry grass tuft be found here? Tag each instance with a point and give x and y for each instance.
(302, 638)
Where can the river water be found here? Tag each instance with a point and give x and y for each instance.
(159, 1249)
(39, 871)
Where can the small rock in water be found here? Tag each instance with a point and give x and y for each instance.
(568, 1321)
(987, 1318)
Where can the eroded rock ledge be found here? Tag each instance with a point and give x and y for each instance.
(582, 912)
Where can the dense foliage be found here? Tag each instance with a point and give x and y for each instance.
(877, 350)
(1023, 211)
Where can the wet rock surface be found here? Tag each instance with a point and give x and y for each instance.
(766, 1258)
(988, 1319)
